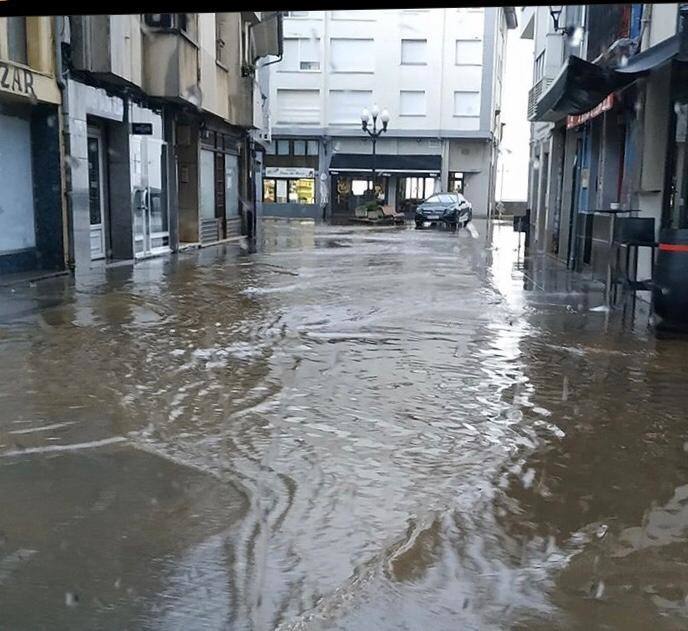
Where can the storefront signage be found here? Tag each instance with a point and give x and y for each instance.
(289, 172)
(16, 80)
(579, 119)
(142, 129)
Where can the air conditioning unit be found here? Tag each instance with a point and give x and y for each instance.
(160, 20)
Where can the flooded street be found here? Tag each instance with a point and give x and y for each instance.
(351, 429)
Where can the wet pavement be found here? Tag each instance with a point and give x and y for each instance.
(353, 428)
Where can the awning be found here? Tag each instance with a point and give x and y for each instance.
(651, 58)
(363, 162)
(578, 88)
(581, 85)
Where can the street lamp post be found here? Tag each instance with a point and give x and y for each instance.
(374, 133)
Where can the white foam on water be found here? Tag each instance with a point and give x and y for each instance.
(43, 428)
(73, 447)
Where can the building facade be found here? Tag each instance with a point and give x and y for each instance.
(163, 113)
(32, 222)
(625, 152)
(438, 72)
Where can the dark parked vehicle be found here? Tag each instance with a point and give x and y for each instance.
(449, 209)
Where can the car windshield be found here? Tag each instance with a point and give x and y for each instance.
(442, 198)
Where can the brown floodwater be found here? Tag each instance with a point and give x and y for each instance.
(351, 428)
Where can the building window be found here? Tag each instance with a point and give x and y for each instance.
(412, 103)
(469, 25)
(282, 147)
(16, 39)
(183, 22)
(300, 54)
(309, 54)
(346, 105)
(220, 43)
(469, 52)
(466, 103)
(539, 67)
(298, 106)
(456, 182)
(247, 49)
(352, 54)
(414, 52)
(283, 191)
(295, 14)
(359, 15)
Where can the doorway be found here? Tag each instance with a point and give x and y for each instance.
(151, 222)
(97, 193)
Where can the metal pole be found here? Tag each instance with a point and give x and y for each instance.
(374, 136)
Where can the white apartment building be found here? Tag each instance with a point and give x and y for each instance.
(438, 72)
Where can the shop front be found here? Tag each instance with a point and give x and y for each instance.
(400, 181)
(31, 220)
(118, 174)
(209, 159)
(292, 184)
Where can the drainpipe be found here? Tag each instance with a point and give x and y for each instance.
(63, 136)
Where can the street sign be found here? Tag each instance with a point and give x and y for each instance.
(142, 129)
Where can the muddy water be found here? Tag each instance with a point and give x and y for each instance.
(351, 429)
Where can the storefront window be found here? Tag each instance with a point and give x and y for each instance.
(295, 191)
(269, 191)
(282, 147)
(418, 187)
(302, 191)
(312, 147)
(17, 229)
(299, 147)
(281, 196)
(359, 187)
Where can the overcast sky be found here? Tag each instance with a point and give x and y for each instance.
(517, 82)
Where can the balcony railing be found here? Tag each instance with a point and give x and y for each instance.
(535, 93)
